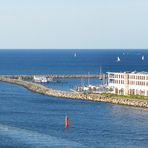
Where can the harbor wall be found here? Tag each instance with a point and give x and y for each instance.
(38, 88)
(100, 76)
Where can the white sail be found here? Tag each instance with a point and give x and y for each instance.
(75, 54)
(118, 59)
(142, 58)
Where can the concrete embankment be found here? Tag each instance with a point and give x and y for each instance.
(75, 95)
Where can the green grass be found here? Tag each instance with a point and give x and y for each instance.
(127, 97)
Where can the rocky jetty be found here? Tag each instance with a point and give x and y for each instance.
(75, 95)
(57, 76)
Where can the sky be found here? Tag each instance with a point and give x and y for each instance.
(73, 24)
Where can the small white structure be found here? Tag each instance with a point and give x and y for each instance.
(129, 83)
(40, 79)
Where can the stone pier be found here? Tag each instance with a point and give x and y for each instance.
(38, 88)
(99, 76)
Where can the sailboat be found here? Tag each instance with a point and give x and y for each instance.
(118, 59)
(142, 58)
(75, 54)
(100, 73)
(88, 81)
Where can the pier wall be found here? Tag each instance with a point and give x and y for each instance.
(74, 95)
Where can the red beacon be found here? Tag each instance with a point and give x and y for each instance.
(66, 122)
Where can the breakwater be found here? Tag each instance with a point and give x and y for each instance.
(38, 88)
(100, 76)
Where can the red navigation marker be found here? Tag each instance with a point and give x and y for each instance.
(66, 122)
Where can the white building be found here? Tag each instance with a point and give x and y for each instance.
(129, 83)
(40, 79)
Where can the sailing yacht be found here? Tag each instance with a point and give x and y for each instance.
(118, 59)
(142, 58)
(101, 77)
(75, 54)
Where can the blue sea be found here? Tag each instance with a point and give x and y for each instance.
(30, 120)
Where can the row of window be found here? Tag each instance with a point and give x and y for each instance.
(130, 82)
(137, 83)
(138, 77)
(121, 76)
(130, 77)
(119, 81)
(137, 92)
(132, 92)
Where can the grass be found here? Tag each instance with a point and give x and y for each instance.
(127, 97)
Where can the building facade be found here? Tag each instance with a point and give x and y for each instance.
(128, 83)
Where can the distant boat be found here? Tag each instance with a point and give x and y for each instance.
(142, 58)
(118, 59)
(75, 54)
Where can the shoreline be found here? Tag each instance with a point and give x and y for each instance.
(38, 88)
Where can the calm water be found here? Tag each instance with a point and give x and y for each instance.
(32, 120)
(57, 61)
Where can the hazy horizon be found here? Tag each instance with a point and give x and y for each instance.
(72, 49)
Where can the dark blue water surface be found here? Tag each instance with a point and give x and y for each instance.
(63, 61)
(30, 120)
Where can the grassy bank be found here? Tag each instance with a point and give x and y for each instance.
(127, 97)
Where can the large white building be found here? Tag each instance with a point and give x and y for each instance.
(129, 83)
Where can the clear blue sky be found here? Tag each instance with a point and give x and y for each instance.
(73, 24)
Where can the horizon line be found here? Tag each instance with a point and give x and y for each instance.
(73, 48)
